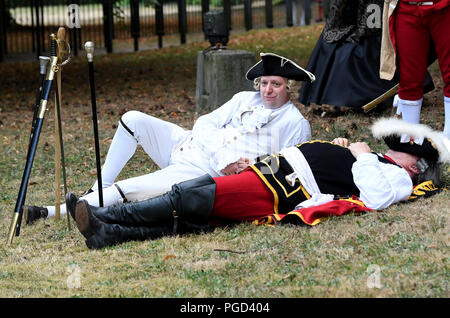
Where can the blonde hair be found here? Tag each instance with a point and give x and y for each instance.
(290, 83)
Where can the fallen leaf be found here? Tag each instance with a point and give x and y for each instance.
(168, 256)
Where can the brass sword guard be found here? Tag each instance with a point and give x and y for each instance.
(63, 51)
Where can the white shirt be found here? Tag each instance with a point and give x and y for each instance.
(242, 127)
(380, 184)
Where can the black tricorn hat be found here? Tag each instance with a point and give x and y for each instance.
(435, 146)
(275, 65)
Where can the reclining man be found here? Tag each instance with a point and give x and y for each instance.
(221, 142)
(275, 184)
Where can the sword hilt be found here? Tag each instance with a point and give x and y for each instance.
(43, 63)
(53, 45)
(63, 47)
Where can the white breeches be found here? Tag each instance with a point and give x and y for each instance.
(158, 138)
(146, 186)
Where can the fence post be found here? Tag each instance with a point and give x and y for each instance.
(182, 20)
(307, 12)
(159, 21)
(38, 28)
(248, 14)
(108, 24)
(2, 25)
(227, 13)
(289, 21)
(33, 40)
(269, 14)
(135, 22)
(42, 26)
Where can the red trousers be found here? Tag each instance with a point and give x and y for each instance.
(415, 27)
(242, 197)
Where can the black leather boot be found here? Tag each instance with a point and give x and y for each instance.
(129, 214)
(188, 204)
(186, 208)
(112, 234)
(99, 234)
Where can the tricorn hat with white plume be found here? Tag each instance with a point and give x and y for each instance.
(435, 146)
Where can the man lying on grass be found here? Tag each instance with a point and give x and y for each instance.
(311, 171)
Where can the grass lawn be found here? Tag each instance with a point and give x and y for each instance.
(399, 252)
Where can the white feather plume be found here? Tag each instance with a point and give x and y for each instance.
(392, 126)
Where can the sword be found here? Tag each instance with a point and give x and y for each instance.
(89, 47)
(43, 63)
(18, 210)
(63, 50)
(374, 103)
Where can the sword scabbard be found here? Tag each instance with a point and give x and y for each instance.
(374, 103)
(18, 211)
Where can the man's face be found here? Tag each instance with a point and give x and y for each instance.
(273, 91)
(408, 162)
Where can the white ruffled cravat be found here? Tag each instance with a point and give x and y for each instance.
(254, 118)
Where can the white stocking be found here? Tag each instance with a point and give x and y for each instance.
(410, 110)
(110, 196)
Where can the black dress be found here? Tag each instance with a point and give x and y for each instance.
(346, 58)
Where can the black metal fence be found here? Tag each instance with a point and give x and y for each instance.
(25, 25)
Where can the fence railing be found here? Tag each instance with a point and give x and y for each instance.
(115, 25)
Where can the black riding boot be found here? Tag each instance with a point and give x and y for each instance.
(112, 234)
(99, 234)
(186, 208)
(190, 200)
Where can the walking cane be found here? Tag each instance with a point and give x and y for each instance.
(18, 210)
(89, 47)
